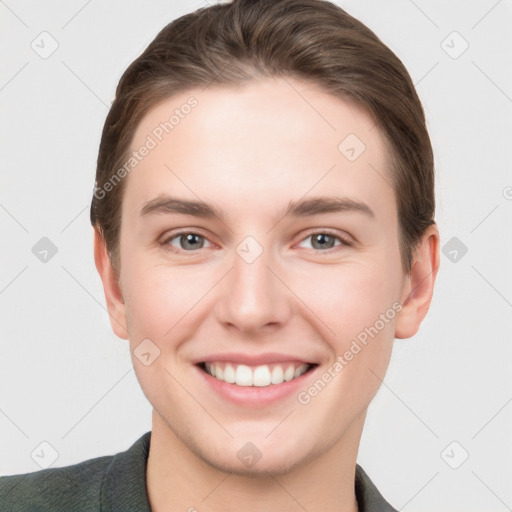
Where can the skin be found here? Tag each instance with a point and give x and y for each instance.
(250, 151)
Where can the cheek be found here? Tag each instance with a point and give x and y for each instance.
(361, 312)
(351, 303)
(159, 305)
(160, 297)
(359, 307)
(366, 329)
(348, 299)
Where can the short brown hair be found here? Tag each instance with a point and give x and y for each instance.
(312, 40)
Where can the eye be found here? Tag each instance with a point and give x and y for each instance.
(186, 241)
(324, 241)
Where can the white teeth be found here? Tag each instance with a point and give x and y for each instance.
(289, 373)
(229, 374)
(261, 376)
(243, 376)
(277, 375)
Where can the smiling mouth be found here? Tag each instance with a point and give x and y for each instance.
(257, 376)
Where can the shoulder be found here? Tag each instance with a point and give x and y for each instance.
(67, 488)
(94, 484)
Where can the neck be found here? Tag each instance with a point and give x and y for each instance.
(178, 479)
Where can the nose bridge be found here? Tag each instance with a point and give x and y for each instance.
(253, 297)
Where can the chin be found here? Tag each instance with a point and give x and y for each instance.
(256, 457)
(271, 463)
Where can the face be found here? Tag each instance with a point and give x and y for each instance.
(260, 263)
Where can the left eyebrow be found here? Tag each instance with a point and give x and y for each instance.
(319, 205)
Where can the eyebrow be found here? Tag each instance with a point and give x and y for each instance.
(167, 204)
(164, 204)
(318, 205)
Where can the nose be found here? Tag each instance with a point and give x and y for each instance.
(254, 297)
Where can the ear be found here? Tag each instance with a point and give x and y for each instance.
(419, 285)
(114, 298)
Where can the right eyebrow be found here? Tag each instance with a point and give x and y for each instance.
(167, 204)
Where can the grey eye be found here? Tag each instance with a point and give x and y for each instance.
(322, 241)
(188, 241)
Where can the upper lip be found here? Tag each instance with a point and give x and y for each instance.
(252, 359)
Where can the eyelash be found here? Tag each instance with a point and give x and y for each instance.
(345, 241)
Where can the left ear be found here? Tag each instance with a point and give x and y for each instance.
(419, 285)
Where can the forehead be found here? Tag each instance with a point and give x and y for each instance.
(259, 145)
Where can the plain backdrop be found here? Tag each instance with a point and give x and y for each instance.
(438, 432)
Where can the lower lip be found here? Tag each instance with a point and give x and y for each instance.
(255, 396)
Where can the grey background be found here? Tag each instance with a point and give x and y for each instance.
(68, 381)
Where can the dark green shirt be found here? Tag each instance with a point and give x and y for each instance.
(116, 483)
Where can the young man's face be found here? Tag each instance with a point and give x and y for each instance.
(254, 291)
